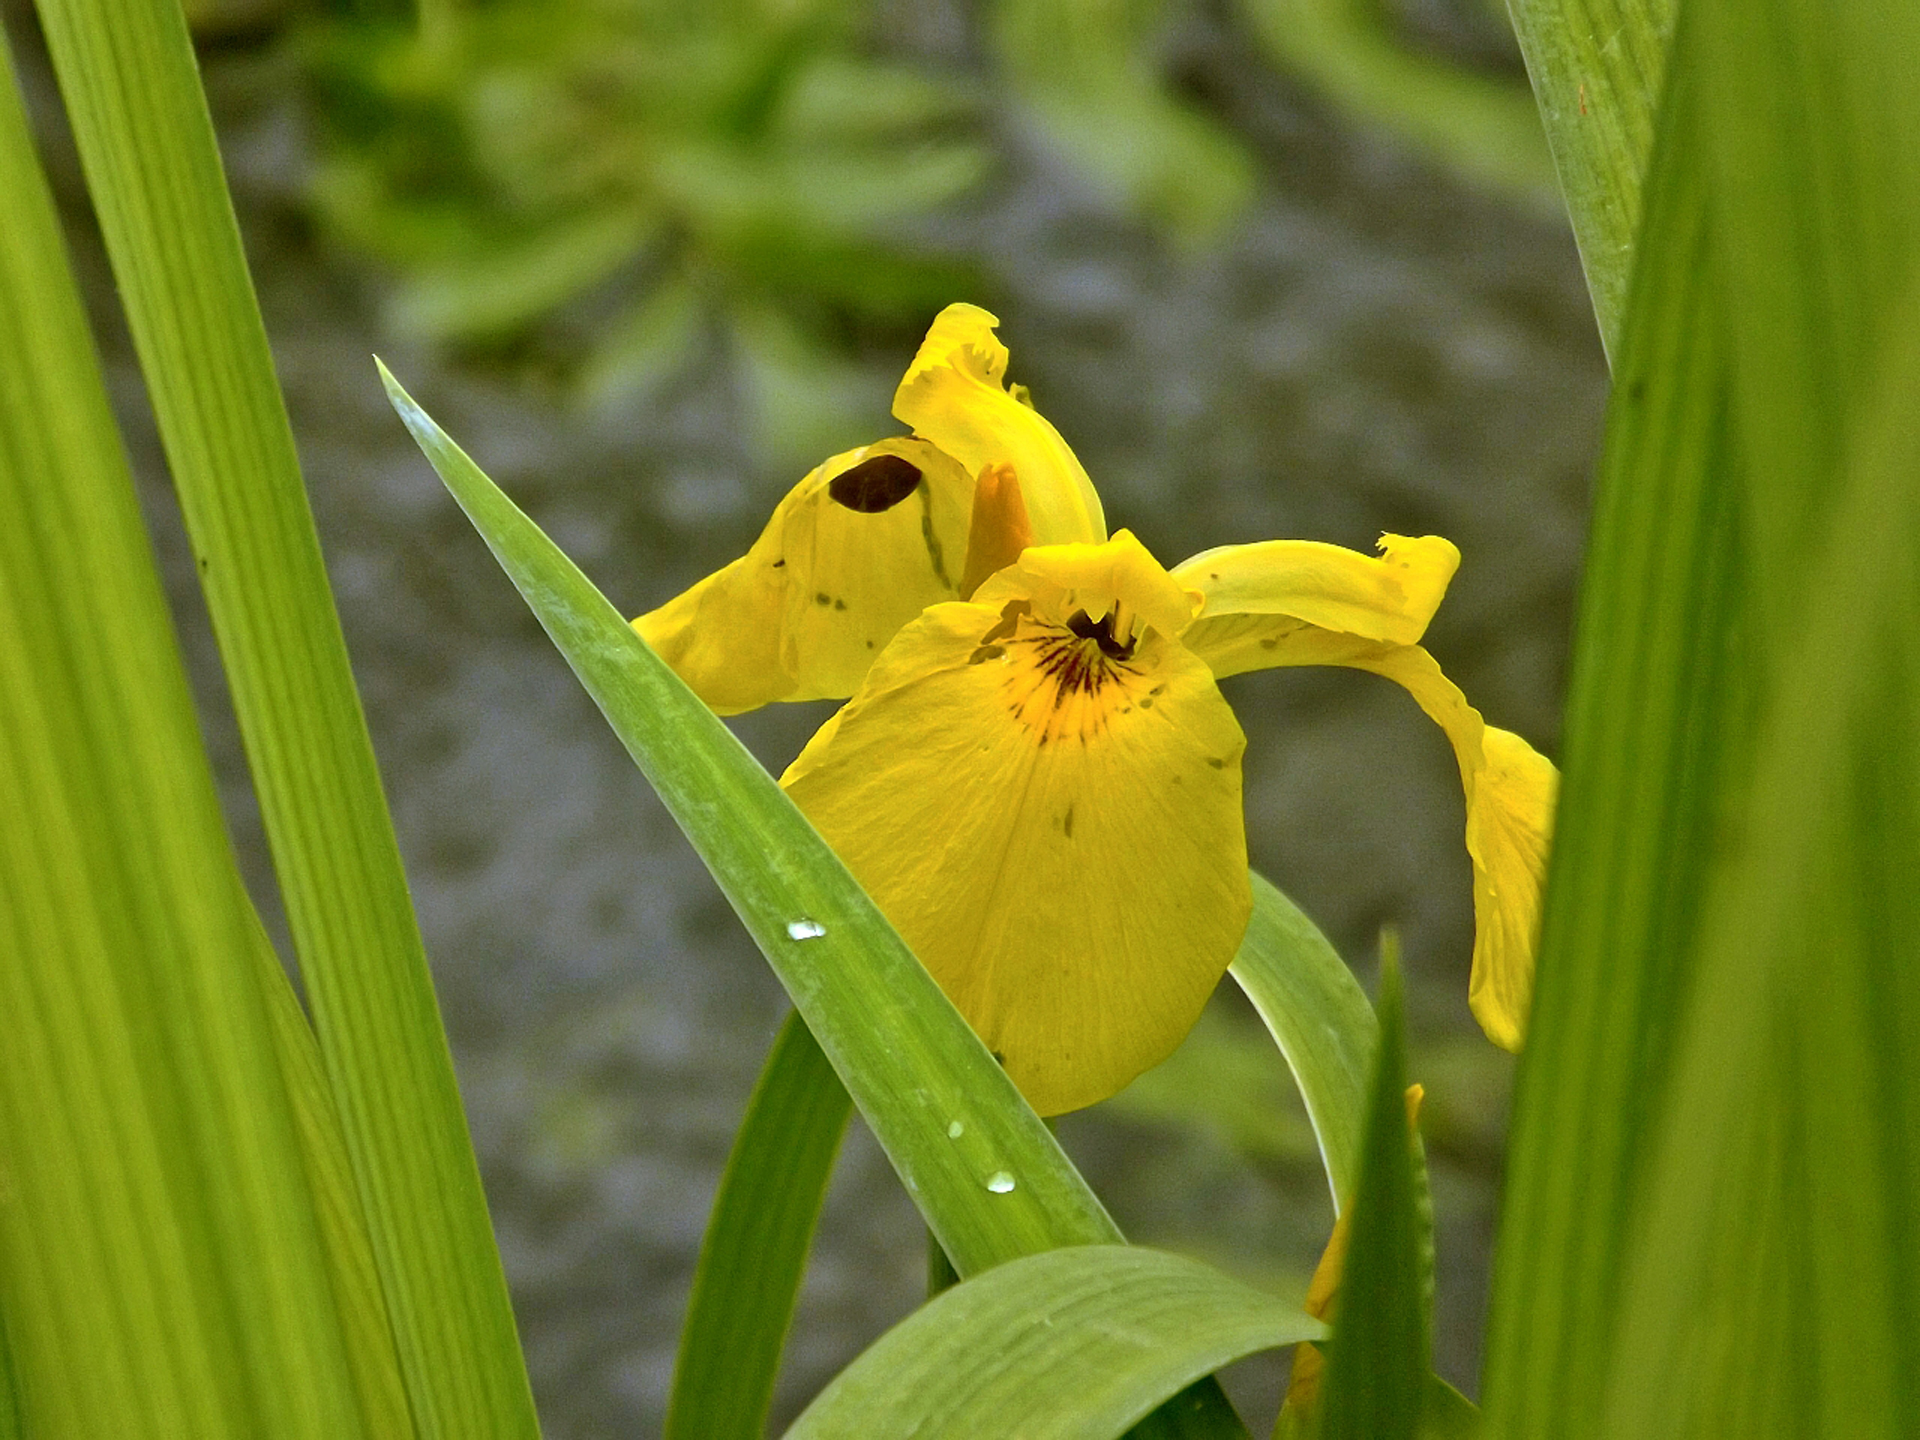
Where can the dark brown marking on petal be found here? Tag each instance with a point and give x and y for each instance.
(1010, 616)
(822, 598)
(1272, 642)
(1146, 702)
(999, 1057)
(1066, 822)
(985, 653)
(1216, 763)
(1158, 690)
(780, 564)
(932, 541)
(839, 604)
(875, 485)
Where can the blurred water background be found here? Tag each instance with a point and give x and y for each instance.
(1273, 269)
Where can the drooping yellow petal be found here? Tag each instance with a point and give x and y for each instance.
(1349, 609)
(1046, 803)
(1510, 789)
(858, 548)
(1256, 596)
(954, 395)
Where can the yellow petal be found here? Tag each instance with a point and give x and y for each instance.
(1509, 830)
(954, 395)
(1257, 596)
(858, 548)
(1000, 529)
(1297, 603)
(1119, 576)
(1046, 803)
(1510, 790)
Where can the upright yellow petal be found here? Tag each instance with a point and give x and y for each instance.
(1256, 596)
(1000, 530)
(1045, 801)
(955, 395)
(858, 548)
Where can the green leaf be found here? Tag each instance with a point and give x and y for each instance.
(514, 282)
(128, 74)
(1447, 1414)
(984, 1171)
(1320, 1019)
(1088, 72)
(1710, 1226)
(366, 1329)
(1074, 1343)
(161, 1262)
(1597, 67)
(755, 1251)
(946, 1114)
(1483, 127)
(1377, 1361)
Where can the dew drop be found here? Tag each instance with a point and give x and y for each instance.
(956, 1130)
(805, 929)
(1000, 1182)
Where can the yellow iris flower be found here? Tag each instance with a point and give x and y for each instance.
(1036, 777)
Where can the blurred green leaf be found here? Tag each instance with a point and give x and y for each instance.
(1483, 128)
(1320, 1019)
(1089, 72)
(1378, 1358)
(162, 1269)
(140, 121)
(755, 1251)
(987, 1175)
(646, 346)
(1710, 1225)
(1596, 67)
(1073, 1343)
(1222, 1082)
(512, 284)
(754, 166)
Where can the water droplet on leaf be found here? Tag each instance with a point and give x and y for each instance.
(956, 1130)
(1000, 1182)
(805, 929)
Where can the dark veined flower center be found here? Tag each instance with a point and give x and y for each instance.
(1101, 633)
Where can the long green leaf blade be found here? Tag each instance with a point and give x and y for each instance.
(1710, 1226)
(946, 1114)
(1320, 1019)
(1635, 827)
(366, 1328)
(161, 1267)
(1075, 1344)
(755, 1251)
(128, 75)
(1597, 67)
(1377, 1361)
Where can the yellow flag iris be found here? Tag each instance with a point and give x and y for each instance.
(1036, 777)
